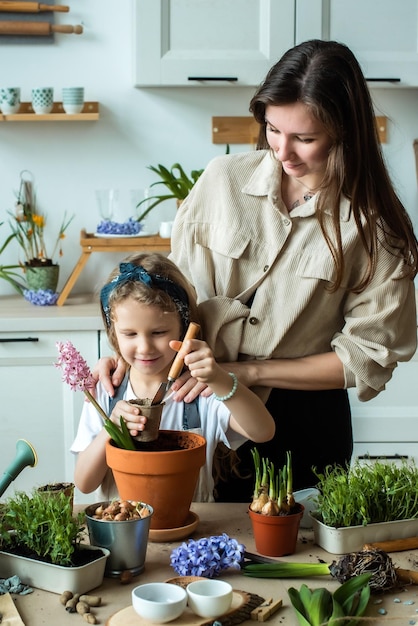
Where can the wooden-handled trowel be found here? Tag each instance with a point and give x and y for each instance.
(176, 367)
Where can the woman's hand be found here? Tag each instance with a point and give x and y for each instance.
(110, 371)
(131, 413)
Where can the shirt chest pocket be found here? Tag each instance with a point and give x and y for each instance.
(219, 241)
(319, 266)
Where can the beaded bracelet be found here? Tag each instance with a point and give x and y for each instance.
(229, 395)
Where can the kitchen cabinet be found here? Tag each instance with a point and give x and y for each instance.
(218, 43)
(383, 35)
(210, 42)
(36, 404)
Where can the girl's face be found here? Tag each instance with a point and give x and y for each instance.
(143, 333)
(299, 141)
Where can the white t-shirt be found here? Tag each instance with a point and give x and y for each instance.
(214, 421)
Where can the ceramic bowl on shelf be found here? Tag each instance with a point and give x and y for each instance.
(159, 603)
(209, 598)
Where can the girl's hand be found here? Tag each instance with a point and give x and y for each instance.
(131, 413)
(185, 387)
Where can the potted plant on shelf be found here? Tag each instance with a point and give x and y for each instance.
(41, 542)
(163, 473)
(28, 227)
(361, 503)
(177, 183)
(274, 514)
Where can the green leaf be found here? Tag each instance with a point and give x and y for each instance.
(295, 598)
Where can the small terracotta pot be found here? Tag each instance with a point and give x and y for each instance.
(163, 473)
(276, 535)
(54, 489)
(153, 414)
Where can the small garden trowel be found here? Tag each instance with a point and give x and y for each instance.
(176, 367)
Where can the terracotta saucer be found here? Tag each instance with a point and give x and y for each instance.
(161, 535)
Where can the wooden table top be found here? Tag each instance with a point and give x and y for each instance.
(43, 608)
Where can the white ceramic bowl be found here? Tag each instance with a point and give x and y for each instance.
(306, 497)
(159, 603)
(209, 598)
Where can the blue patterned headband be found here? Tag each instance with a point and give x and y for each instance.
(136, 273)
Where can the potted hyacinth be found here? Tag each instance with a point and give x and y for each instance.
(162, 471)
(77, 374)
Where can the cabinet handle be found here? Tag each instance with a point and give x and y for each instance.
(383, 457)
(229, 79)
(383, 80)
(19, 340)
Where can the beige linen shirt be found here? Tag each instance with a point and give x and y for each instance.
(234, 238)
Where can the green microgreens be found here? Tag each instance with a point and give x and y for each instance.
(367, 493)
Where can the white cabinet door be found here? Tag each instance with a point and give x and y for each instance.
(209, 42)
(383, 35)
(37, 406)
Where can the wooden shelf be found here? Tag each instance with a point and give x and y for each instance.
(90, 113)
(90, 243)
(245, 129)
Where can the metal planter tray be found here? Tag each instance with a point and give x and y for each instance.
(352, 539)
(55, 578)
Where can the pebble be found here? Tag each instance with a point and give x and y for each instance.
(14, 585)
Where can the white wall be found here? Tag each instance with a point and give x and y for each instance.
(137, 128)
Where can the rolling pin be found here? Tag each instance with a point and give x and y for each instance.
(37, 28)
(394, 545)
(30, 7)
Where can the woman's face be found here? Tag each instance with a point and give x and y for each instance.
(143, 333)
(298, 140)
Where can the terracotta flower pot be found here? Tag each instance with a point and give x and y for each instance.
(276, 535)
(162, 473)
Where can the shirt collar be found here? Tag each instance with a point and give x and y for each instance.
(266, 181)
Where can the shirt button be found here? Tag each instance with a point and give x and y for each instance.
(286, 222)
(253, 321)
(265, 268)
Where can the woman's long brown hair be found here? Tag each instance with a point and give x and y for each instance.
(326, 76)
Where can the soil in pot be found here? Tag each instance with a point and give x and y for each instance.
(79, 558)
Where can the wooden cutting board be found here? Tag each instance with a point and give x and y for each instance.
(242, 605)
(8, 611)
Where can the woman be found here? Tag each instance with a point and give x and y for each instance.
(303, 259)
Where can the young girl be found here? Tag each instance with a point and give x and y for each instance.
(147, 306)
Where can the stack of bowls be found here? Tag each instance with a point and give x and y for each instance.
(10, 100)
(42, 100)
(73, 100)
